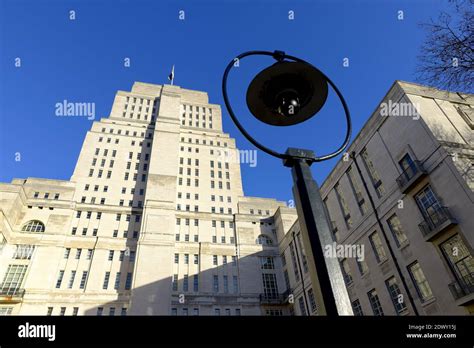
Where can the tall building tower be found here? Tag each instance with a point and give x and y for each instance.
(152, 222)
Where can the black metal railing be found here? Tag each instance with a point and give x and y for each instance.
(437, 218)
(463, 286)
(273, 298)
(409, 173)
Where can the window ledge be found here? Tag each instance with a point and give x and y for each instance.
(428, 301)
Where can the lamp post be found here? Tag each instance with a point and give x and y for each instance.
(289, 92)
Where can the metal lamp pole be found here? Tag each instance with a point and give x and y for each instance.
(325, 272)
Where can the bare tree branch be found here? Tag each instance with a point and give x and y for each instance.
(446, 57)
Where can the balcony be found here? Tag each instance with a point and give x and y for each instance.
(463, 290)
(274, 299)
(11, 295)
(411, 176)
(437, 222)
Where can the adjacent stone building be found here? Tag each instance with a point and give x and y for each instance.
(403, 191)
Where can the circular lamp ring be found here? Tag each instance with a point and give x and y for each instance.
(321, 81)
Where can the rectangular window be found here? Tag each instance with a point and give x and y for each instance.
(356, 190)
(105, 285)
(83, 280)
(215, 286)
(362, 265)
(13, 278)
(226, 284)
(428, 204)
(377, 246)
(185, 283)
(418, 277)
(374, 176)
(395, 295)
(175, 282)
(357, 308)
(59, 280)
(117, 281)
(375, 303)
(71, 279)
(195, 283)
(346, 272)
(343, 205)
(266, 262)
(461, 261)
(294, 262)
(302, 306)
(235, 283)
(24, 252)
(128, 281)
(397, 230)
(270, 288)
(312, 300)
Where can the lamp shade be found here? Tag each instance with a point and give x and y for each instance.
(287, 93)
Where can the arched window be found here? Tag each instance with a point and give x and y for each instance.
(264, 240)
(33, 226)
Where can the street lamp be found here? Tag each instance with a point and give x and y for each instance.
(289, 92)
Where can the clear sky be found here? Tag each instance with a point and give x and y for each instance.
(82, 60)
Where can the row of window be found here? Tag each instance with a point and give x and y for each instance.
(217, 311)
(46, 195)
(421, 284)
(196, 239)
(122, 253)
(202, 109)
(134, 133)
(204, 142)
(216, 285)
(118, 216)
(196, 209)
(311, 306)
(187, 222)
(95, 231)
(75, 311)
(84, 277)
(259, 212)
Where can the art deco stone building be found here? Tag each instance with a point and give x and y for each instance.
(404, 192)
(147, 223)
(154, 220)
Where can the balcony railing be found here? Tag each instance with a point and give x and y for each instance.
(463, 287)
(274, 299)
(436, 222)
(11, 294)
(411, 176)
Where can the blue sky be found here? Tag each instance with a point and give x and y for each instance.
(82, 61)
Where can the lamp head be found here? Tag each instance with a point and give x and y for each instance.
(287, 93)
